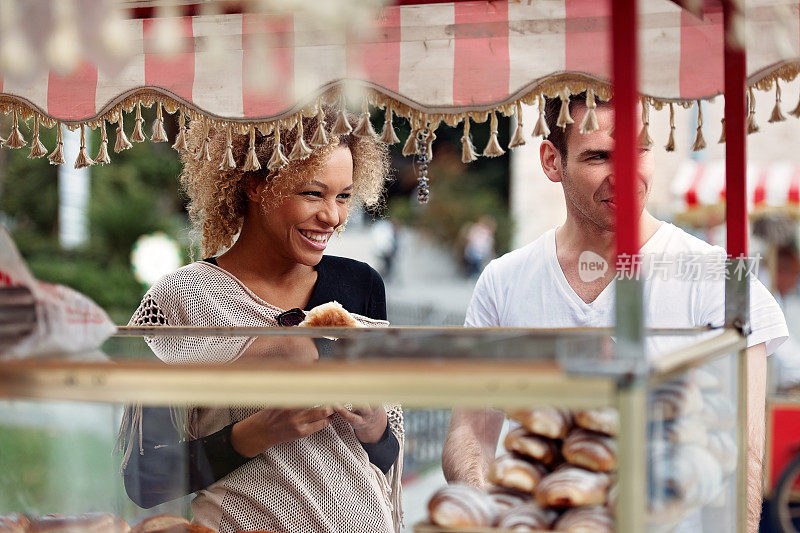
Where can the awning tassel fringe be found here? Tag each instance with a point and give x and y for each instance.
(493, 148)
(138, 133)
(15, 140)
(228, 162)
(564, 117)
(203, 151)
(320, 138)
(467, 149)
(670, 147)
(722, 135)
(388, 136)
(699, 140)
(589, 123)
(278, 160)
(752, 127)
(251, 161)
(796, 111)
(102, 154)
(541, 129)
(83, 159)
(37, 148)
(364, 127)
(122, 140)
(159, 133)
(342, 125)
(180, 139)
(645, 141)
(518, 138)
(410, 147)
(57, 157)
(777, 116)
(301, 150)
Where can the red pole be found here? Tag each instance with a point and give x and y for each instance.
(736, 143)
(625, 79)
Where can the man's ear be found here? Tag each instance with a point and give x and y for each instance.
(551, 161)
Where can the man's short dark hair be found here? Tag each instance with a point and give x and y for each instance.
(552, 109)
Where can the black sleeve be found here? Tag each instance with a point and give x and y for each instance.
(169, 468)
(376, 302)
(383, 453)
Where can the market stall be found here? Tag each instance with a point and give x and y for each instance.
(437, 65)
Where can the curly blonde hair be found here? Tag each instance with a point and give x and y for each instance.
(218, 200)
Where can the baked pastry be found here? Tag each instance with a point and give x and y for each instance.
(705, 380)
(14, 523)
(605, 420)
(329, 315)
(683, 473)
(723, 447)
(572, 486)
(513, 472)
(686, 430)
(674, 399)
(79, 523)
(459, 506)
(527, 517)
(591, 450)
(505, 498)
(545, 421)
(586, 520)
(718, 412)
(539, 448)
(159, 523)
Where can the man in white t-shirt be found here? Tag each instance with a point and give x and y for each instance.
(547, 284)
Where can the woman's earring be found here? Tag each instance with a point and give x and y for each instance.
(339, 230)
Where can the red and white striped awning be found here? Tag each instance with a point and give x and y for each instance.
(699, 191)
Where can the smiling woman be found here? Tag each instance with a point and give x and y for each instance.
(264, 233)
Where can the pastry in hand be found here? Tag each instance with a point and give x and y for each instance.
(527, 517)
(461, 506)
(513, 472)
(14, 523)
(521, 441)
(83, 523)
(545, 421)
(329, 315)
(159, 523)
(591, 450)
(572, 486)
(605, 420)
(586, 520)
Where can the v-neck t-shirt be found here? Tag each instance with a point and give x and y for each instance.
(684, 286)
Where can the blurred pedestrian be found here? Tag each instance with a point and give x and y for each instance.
(479, 245)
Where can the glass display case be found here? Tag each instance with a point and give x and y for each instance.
(675, 459)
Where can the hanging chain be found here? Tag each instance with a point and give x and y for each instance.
(423, 192)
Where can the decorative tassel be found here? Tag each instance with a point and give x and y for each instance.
(228, 162)
(278, 160)
(796, 111)
(589, 123)
(670, 147)
(301, 150)
(180, 139)
(467, 150)
(518, 138)
(541, 129)
(645, 141)
(203, 152)
(699, 140)
(83, 160)
(342, 125)
(159, 133)
(102, 154)
(493, 148)
(564, 117)
(57, 157)
(777, 116)
(15, 140)
(364, 127)
(122, 141)
(138, 134)
(251, 163)
(410, 147)
(37, 148)
(722, 135)
(752, 127)
(388, 136)
(320, 138)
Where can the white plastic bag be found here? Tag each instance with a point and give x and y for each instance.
(66, 320)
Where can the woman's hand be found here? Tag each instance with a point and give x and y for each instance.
(270, 427)
(368, 423)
